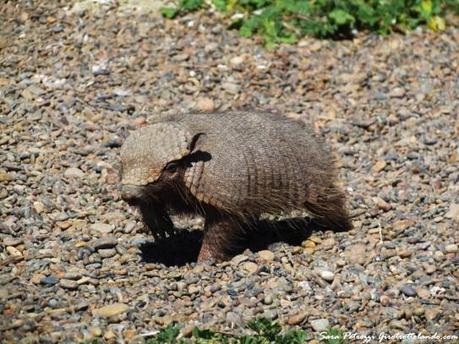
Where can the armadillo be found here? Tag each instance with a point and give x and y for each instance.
(230, 168)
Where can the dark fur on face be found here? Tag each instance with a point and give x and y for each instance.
(168, 195)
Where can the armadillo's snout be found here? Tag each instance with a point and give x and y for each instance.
(132, 194)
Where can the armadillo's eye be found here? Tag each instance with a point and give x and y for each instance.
(171, 167)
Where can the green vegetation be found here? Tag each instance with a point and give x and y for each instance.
(335, 336)
(265, 332)
(167, 335)
(285, 21)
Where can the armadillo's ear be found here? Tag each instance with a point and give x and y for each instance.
(197, 142)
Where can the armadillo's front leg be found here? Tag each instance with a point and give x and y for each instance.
(219, 238)
(157, 220)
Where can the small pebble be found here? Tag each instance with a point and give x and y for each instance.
(205, 104)
(71, 275)
(320, 325)
(382, 204)
(95, 331)
(327, 275)
(266, 255)
(453, 212)
(268, 299)
(451, 248)
(432, 313)
(110, 335)
(73, 172)
(53, 303)
(102, 228)
(68, 284)
(193, 289)
(298, 318)
(397, 92)
(237, 60)
(83, 305)
(231, 87)
(408, 290)
(423, 293)
(430, 268)
(239, 259)
(105, 242)
(107, 252)
(49, 280)
(405, 253)
(111, 310)
(10, 241)
(356, 254)
(13, 251)
(379, 166)
(250, 267)
(233, 319)
(418, 311)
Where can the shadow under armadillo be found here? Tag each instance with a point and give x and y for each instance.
(183, 247)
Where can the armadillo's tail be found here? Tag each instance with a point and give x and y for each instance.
(329, 212)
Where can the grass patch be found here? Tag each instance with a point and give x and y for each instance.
(265, 332)
(286, 21)
(334, 336)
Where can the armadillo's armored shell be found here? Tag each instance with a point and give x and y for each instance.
(148, 150)
(260, 163)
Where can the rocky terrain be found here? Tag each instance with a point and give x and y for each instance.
(75, 261)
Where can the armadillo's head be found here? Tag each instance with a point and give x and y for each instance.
(150, 152)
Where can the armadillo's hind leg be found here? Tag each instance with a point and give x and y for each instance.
(220, 236)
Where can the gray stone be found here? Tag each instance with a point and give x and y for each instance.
(73, 172)
(111, 310)
(453, 212)
(239, 259)
(49, 280)
(266, 255)
(408, 290)
(102, 227)
(107, 252)
(105, 242)
(327, 275)
(68, 284)
(320, 325)
(11, 241)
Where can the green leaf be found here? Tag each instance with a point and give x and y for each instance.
(169, 12)
(220, 5)
(426, 8)
(436, 24)
(191, 5)
(341, 17)
(295, 6)
(334, 336)
(289, 39)
(167, 335)
(294, 337)
(265, 328)
(203, 334)
(249, 26)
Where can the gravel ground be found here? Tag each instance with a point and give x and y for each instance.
(75, 261)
